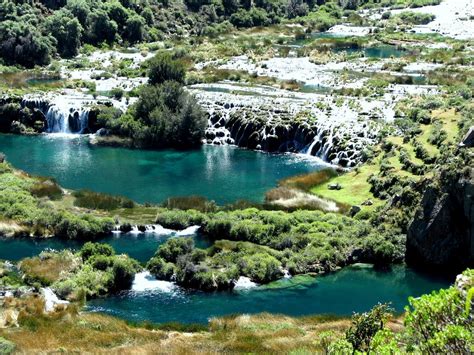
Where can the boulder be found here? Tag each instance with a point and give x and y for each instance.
(441, 235)
(336, 186)
(354, 210)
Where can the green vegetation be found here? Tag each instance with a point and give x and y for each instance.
(92, 272)
(98, 201)
(33, 204)
(165, 115)
(435, 323)
(413, 18)
(34, 33)
(260, 244)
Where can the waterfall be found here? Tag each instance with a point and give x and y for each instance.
(144, 281)
(244, 283)
(61, 120)
(160, 230)
(60, 116)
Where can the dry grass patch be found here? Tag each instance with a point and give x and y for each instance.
(49, 267)
(96, 333)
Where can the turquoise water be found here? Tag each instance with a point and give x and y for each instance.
(139, 246)
(349, 290)
(222, 173)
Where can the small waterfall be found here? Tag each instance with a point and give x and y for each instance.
(315, 141)
(160, 230)
(61, 116)
(244, 283)
(144, 281)
(62, 120)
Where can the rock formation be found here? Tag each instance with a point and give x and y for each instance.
(442, 233)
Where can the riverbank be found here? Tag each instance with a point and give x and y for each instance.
(70, 331)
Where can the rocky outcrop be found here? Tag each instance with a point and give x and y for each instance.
(335, 133)
(441, 235)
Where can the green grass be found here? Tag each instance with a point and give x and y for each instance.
(355, 188)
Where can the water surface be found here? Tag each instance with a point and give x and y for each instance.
(352, 289)
(221, 173)
(139, 246)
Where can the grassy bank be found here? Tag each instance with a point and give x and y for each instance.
(436, 323)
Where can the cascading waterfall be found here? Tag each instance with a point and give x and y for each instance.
(61, 117)
(66, 121)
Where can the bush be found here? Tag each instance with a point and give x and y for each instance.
(117, 93)
(442, 321)
(6, 347)
(437, 135)
(261, 268)
(163, 68)
(415, 18)
(174, 248)
(365, 326)
(123, 269)
(90, 250)
(47, 188)
(161, 269)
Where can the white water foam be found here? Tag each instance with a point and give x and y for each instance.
(144, 281)
(160, 230)
(188, 231)
(244, 283)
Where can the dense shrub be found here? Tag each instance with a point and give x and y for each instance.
(174, 248)
(365, 326)
(442, 321)
(101, 272)
(163, 68)
(21, 44)
(437, 135)
(302, 242)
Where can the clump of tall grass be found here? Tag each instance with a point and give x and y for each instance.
(193, 202)
(46, 187)
(306, 181)
(96, 200)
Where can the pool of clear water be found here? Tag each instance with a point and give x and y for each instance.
(221, 173)
(353, 289)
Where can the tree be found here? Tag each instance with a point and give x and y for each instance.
(80, 9)
(134, 29)
(100, 28)
(117, 13)
(169, 117)
(163, 68)
(67, 30)
(20, 43)
(297, 8)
